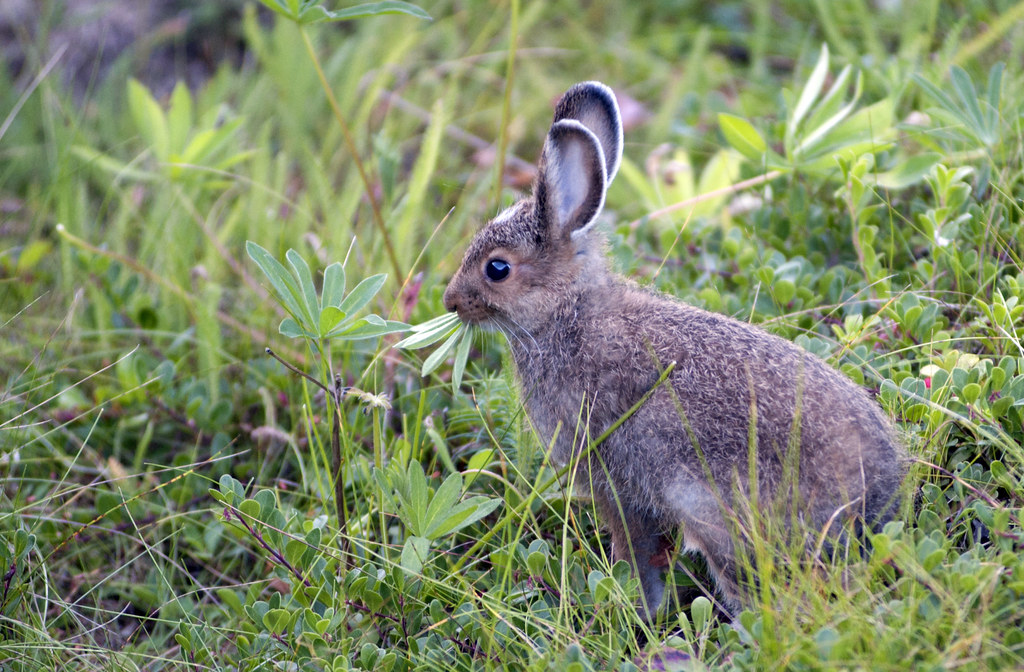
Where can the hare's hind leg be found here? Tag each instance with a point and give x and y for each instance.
(706, 532)
(637, 539)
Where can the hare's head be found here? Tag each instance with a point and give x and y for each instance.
(536, 254)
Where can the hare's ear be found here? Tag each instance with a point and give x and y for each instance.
(570, 180)
(593, 105)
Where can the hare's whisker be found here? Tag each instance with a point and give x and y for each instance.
(509, 327)
(510, 334)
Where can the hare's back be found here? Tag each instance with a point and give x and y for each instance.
(733, 381)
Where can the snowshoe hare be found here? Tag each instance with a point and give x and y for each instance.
(744, 423)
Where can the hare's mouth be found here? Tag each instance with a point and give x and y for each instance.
(486, 322)
(473, 313)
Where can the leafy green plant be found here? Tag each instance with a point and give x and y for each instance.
(329, 316)
(291, 625)
(941, 224)
(130, 315)
(319, 320)
(969, 116)
(457, 338)
(181, 152)
(298, 625)
(313, 11)
(429, 517)
(822, 123)
(863, 206)
(306, 12)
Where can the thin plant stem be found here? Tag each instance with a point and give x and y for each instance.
(298, 371)
(31, 88)
(346, 133)
(336, 466)
(378, 460)
(510, 71)
(995, 30)
(148, 273)
(335, 395)
(724, 191)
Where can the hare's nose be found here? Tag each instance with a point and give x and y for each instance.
(449, 300)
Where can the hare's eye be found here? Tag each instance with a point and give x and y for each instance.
(497, 270)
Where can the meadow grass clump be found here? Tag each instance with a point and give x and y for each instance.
(171, 497)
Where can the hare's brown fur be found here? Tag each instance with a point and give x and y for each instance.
(589, 344)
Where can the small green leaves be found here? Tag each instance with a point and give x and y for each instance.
(193, 638)
(334, 284)
(824, 124)
(178, 140)
(969, 115)
(230, 491)
(601, 587)
(149, 119)
(310, 11)
(433, 517)
(701, 611)
(276, 620)
(427, 333)
(742, 135)
(363, 293)
(321, 318)
(330, 317)
(414, 554)
(941, 224)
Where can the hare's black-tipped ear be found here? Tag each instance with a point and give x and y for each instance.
(570, 180)
(593, 105)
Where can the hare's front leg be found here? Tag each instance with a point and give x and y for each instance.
(636, 539)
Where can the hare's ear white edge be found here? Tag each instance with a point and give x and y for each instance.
(573, 177)
(594, 105)
(615, 119)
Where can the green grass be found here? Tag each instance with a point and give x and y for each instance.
(166, 490)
